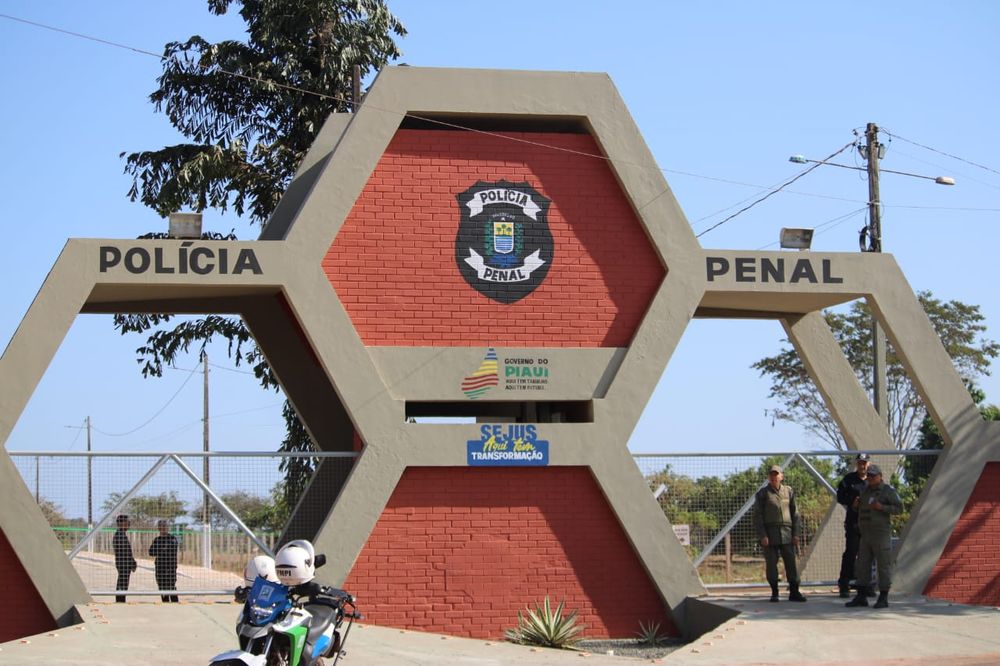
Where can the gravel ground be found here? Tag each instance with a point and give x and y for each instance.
(629, 647)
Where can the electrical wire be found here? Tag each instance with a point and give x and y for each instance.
(79, 431)
(775, 191)
(506, 137)
(823, 227)
(941, 152)
(150, 419)
(435, 121)
(964, 176)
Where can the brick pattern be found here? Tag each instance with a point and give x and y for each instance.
(24, 613)
(461, 550)
(969, 569)
(393, 262)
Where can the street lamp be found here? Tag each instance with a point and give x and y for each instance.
(873, 234)
(940, 180)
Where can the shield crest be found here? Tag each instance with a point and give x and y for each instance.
(503, 247)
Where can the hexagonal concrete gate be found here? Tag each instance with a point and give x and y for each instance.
(501, 247)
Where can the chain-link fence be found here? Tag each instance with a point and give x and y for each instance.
(243, 509)
(709, 500)
(183, 533)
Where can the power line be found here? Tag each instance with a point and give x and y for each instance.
(505, 137)
(823, 227)
(941, 152)
(964, 176)
(79, 431)
(773, 192)
(435, 121)
(160, 411)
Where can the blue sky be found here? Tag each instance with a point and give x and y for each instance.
(726, 90)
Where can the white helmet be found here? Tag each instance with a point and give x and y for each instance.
(295, 563)
(262, 566)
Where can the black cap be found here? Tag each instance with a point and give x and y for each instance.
(862, 456)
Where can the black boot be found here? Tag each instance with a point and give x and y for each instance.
(860, 600)
(793, 592)
(883, 599)
(774, 593)
(845, 590)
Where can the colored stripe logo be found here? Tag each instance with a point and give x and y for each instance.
(484, 378)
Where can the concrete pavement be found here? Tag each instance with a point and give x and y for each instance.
(913, 630)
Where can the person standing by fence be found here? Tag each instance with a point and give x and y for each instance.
(124, 562)
(163, 550)
(876, 505)
(778, 528)
(848, 490)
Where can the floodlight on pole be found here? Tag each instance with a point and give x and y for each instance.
(795, 239)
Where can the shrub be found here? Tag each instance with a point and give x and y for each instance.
(649, 634)
(545, 627)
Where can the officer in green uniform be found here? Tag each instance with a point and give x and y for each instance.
(876, 505)
(778, 529)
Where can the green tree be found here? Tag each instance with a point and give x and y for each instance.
(258, 513)
(960, 327)
(53, 512)
(250, 111)
(144, 510)
(709, 502)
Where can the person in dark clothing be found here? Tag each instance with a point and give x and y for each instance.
(163, 550)
(848, 490)
(124, 562)
(778, 528)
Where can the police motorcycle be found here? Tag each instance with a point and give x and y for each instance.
(287, 619)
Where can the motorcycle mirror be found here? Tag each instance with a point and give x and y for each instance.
(320, 560)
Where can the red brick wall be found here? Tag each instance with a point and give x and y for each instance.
(461, 550)
(393, 261)
(969, 569)
(23, 612)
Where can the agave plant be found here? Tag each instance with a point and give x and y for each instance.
(545, 627)
(649, 634)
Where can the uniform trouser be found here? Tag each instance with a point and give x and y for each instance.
(852, 540)
(123, 577)
(877, 547)
(167, 581)
(787, 553)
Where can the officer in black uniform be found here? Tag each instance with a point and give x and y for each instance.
(124, 561)
(848, 490)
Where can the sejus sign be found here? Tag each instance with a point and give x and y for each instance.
(765, 269)
(185, 258)
(511, 445)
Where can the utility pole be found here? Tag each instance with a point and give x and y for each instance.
(90, 480)
(206, 514)
(90, 488)
(873, 152)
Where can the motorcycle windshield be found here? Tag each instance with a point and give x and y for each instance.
(266, 602)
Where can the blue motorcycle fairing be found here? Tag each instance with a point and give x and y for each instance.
(266, 602)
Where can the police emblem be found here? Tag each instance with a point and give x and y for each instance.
(503, 247)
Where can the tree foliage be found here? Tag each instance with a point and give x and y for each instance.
(707, 503)
(960, 327)
(252, 109)
(260, 514)
(249, 112)
(144, 510)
